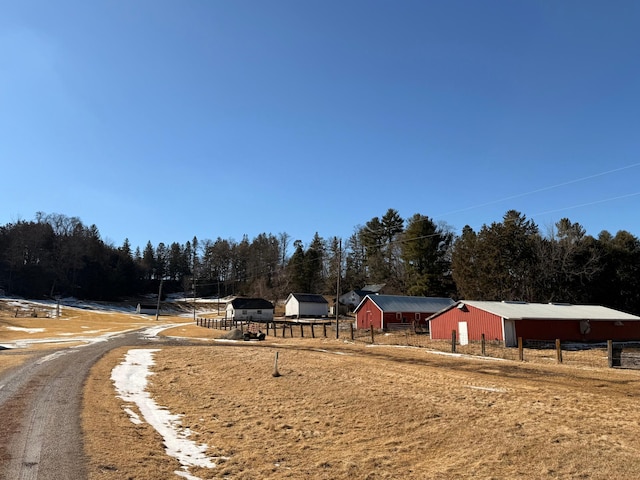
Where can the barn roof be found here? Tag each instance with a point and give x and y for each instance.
(547, 311)
(308, 298)
(400, 303)
(373, 288)
(241, 303)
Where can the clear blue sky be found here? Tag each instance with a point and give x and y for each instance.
(164, 120)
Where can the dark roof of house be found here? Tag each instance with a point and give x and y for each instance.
(400, 303)
(309, 298)
(251, 303)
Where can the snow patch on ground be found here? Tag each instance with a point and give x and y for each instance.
(488, 389)
(130, 381)
(26, 330)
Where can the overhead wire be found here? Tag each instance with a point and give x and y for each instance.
(544, 189)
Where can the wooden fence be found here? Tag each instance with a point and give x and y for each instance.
(613, 354)
(284, 328)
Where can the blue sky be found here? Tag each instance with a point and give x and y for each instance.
(165, 120)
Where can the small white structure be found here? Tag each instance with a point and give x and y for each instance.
(250, 309)
(147, 309)
(299, 305)
(353, 298)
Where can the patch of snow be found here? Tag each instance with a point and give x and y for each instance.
(438, 352)
(133, 416)
(26, 330)
(156, 329)
(53, 356)
(489, 389)
(130, 381)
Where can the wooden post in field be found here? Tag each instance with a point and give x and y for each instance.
(291, 330)
(313, 334)
(324, 330)
(484, 346)
(284, 330)
(276, 373)
(301, 331)
(520, 350)
(453, 341)
(372, 340)
(610, 352)
(558, 350)
(351, 328)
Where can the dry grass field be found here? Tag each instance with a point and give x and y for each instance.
(345, 410)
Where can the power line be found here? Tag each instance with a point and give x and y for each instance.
(619, 197)
(544, 189)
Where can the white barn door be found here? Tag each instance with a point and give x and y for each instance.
(463, 333)
(509, 333)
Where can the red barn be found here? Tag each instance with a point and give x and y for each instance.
(384, 312)
(506, 321)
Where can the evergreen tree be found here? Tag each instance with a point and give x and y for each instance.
(425, 252)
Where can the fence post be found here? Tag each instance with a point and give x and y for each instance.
(351, 327)
(453, 341)
(558, 350)
(484, 346)
(284, 331)
(520, 350)
(313, 334)
(291, 330)
(301, 331)
(324, 330)
(610, 353)
(372, 340)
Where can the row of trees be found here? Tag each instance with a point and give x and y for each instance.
(507, 260)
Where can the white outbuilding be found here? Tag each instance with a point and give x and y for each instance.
(309, 305)
(250, 309)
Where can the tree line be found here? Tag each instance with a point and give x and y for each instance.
(56, 255)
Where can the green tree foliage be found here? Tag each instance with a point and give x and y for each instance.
(617, 281)
(500, 261)
(382, 251)
(568, 260)
(355, 274)
(426, 256)
(507, 260)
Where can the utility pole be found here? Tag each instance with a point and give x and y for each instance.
(159, 297)
(194, 299)
(338, 289)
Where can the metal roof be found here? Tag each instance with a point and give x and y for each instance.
(373, 288)
(400, 303)
(243, 303)
(309, 297)
(548, 311)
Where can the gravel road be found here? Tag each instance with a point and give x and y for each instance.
(40, 407)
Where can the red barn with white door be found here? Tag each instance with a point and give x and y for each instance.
(506, 321)
(385, 312)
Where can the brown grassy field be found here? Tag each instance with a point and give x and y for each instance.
(345, 410)
(340, 410)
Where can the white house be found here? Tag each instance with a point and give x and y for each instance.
(299, 305)
(353, 298)
(253, 309)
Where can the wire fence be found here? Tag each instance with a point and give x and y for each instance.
(602, 355)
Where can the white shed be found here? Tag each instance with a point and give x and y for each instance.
(299, 305)
(147, 309)
(253, 309)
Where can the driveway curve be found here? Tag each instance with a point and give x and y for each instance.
(40, 411)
